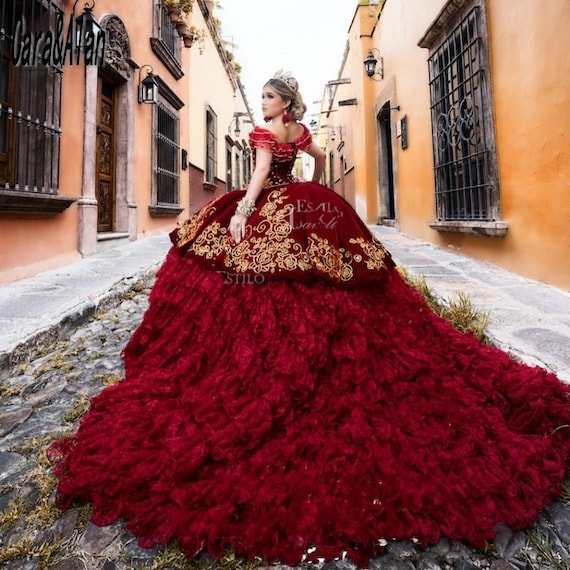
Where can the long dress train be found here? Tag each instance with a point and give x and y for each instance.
(294, 392)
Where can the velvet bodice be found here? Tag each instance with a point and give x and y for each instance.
(284, 154)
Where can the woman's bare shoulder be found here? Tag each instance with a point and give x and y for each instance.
(295, 131)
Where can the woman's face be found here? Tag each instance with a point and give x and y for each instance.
(272, 104)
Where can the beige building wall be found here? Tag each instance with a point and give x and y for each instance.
(211, 87)
(215, 87)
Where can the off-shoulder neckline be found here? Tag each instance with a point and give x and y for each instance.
(303, 134)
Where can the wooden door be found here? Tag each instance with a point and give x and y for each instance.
(105, 171)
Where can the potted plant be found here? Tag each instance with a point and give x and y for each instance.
(188, 40)
(182, 28)
(194, 35)
(176, 9)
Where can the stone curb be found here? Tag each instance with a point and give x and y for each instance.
(37, 342)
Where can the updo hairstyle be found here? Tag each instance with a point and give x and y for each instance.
(288, 88)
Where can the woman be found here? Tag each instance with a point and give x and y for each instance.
(288, 393)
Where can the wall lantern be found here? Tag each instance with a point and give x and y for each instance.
(148, 87)
(237, 127)
(87, 30)
(370, 64)
(333, 131)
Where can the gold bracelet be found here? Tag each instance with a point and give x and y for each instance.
(245, 207)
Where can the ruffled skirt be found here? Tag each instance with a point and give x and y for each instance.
(273, 414)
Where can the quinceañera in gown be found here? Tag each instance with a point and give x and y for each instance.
(288, 393)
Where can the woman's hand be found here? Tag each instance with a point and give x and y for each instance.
(237, 227)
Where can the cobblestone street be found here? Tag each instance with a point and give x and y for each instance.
(46, 400)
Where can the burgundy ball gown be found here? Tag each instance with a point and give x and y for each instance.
(292, 391)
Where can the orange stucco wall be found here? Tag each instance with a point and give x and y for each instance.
(355, 123)
(138, 16)
(531, 89)
(530, 82)
(33, 243)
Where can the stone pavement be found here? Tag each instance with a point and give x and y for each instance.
(527, 318)
(37, 311)
(61, 333)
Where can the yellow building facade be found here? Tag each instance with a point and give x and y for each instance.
(459, 134)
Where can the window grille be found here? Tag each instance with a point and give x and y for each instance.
(211, 147)
(167, 151)
(465, 186)
(30, 105)
(169, 35)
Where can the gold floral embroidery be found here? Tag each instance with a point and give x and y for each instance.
(190, 228)
(213, 241)
(273, 251)
(259, 256)
(374, 251)
(329, 259)
(268, 246)
(276, 224)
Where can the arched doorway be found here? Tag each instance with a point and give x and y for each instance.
(107, 212)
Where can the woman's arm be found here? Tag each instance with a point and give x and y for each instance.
(262, 166)
(318, 154)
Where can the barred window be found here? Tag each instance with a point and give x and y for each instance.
(462, 125)
(167, 152)
(165, 41)
(30, 105)
(169, 35)
(211, 146)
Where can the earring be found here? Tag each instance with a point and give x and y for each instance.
(286, 118)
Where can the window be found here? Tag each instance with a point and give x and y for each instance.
(30, 107)
(167, 152)
(168, 34)
(211, 147)
(229, 164)
(238, 172)
(246, 163)
(331, 170)
(466, 180)
(342, 159)
(165, 42)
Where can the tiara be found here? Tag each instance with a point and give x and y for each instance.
(287, 78)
